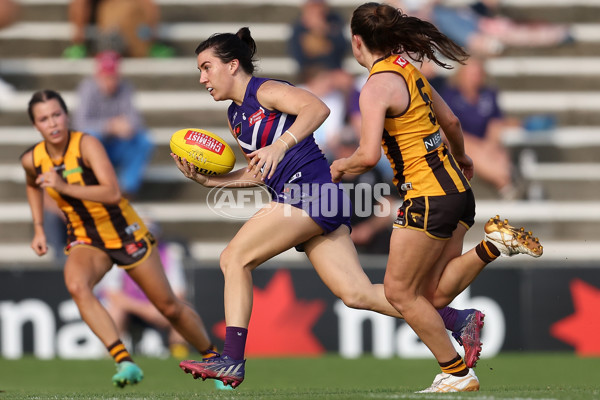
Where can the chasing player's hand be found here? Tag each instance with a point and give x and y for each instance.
(466, 165)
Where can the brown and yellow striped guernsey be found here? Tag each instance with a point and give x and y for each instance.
(101, 225)
(422, 163)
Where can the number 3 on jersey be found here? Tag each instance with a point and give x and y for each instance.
(427, 100)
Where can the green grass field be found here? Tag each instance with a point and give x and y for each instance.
(509, 376)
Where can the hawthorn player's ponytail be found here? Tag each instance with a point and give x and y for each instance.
(385, 29)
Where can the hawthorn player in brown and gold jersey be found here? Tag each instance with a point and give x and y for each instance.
(103, 230)
(105, 226)
(412, 140)
(401, 112)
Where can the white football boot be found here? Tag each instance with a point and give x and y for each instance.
(510, 240)
(446, 383)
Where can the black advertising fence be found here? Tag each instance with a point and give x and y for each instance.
(549, 308)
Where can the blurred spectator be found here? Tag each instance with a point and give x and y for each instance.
(436, 76)
(475, 103)
(482, 30)
(373, 202)
(318, 37)
(126, 302)
(129, 27)
(106, 110)
(334, 88)
(319, 46)
(9, 13)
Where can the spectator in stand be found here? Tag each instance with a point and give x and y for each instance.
(106, 110)
(128, 26)
(475, 103)
(9, 13)
(319, 46)
(318, 37)
(335, 90)
(373, 198)
(482, 30)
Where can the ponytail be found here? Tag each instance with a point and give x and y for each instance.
(388, 30)
(228, 47)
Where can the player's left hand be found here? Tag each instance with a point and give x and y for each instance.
(466, 165)
(263, 162)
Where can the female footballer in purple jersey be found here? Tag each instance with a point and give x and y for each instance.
(273, 122)
(403, 114)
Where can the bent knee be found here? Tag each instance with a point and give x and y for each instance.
(78, 289)
(232, 259)
(399, 296)
(170, 309)
(440, 301)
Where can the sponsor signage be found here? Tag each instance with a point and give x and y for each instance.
(541, 309)
(204, 141)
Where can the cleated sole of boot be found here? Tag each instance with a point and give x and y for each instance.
(502, 233)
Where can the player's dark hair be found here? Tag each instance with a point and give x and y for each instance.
(228, 47)
(388, 30)
(43, 96)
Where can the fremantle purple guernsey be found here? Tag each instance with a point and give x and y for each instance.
(256, 127)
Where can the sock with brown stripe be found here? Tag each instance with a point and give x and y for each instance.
(456, 366)
(118, 351)
(487, 251)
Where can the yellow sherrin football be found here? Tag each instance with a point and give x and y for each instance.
(207, 151)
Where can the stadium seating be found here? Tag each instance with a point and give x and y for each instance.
(561, 167)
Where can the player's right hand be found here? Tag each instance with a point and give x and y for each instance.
(39, 244)
(189, 170)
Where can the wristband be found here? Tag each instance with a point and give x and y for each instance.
(292, 135)
(287, 147)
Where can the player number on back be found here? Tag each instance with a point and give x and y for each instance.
(427, 100)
